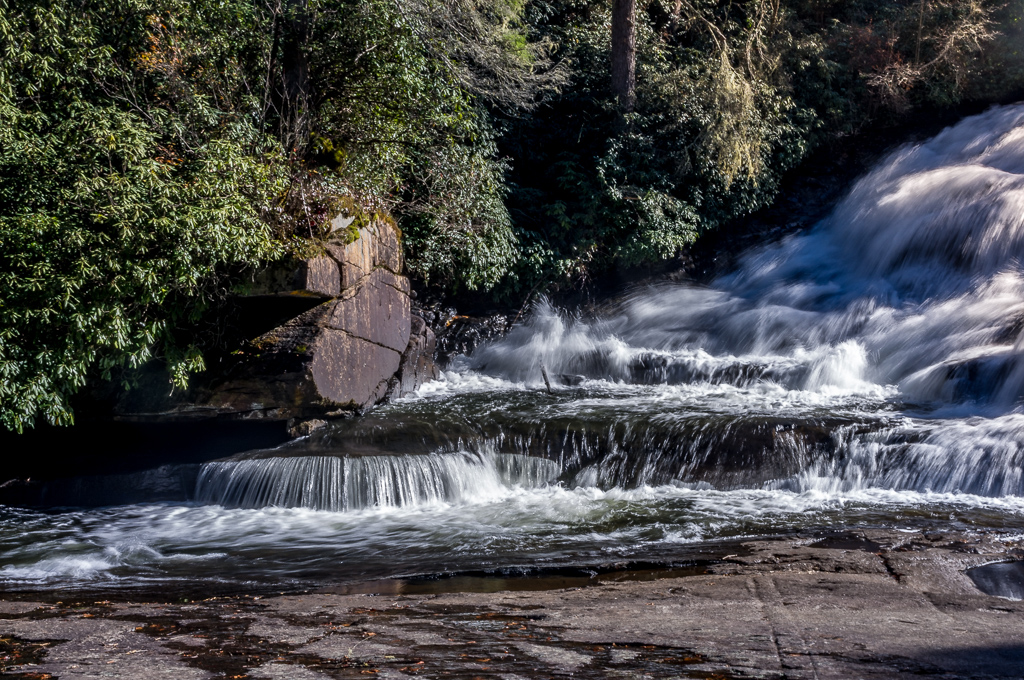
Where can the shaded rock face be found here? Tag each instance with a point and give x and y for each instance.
(360, 346)
(458, 334)
(417, 365)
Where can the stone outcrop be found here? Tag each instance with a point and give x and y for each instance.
(417, 366)
(358, 347)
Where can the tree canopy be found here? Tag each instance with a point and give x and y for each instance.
(154, 151)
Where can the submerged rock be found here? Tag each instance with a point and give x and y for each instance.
(1000, 579)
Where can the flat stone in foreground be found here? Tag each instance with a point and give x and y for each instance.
(871, 604)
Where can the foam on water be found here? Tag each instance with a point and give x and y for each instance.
(546, 525)
(914, 281)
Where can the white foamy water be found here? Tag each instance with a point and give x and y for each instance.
(549, 526)
(865, 372)
(914, 282)
(353, 483)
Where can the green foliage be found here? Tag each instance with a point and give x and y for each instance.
(115, 207)
(709, 140)
(457, 229)
(404, 134)
(486, 48)
(152, 151)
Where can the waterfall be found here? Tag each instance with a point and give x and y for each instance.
(914, 283)
(984, 457)
(865, 372)
(860, 354)
(340, 484)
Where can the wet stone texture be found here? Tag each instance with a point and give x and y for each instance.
(868, 604)
(417, 365)
(359, 345)
(343, 337)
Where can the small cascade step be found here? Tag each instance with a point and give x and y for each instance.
(340, 484)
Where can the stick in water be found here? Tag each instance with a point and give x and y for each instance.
(544, 372)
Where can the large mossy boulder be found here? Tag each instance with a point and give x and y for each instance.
(357, 346)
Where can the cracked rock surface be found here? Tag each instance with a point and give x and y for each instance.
(863, 604)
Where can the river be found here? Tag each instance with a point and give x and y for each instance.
(865, 372)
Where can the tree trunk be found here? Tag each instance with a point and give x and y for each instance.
(920, 34)
(295, 86)
(624, 53)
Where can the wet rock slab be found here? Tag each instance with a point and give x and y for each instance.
(860, 604)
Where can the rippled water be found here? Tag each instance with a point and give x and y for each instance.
(867, 372)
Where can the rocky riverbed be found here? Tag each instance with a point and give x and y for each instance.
(861, 604)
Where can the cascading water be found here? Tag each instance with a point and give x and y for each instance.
(866, 372)
(355, 483)
(910, 295)
(914, 282)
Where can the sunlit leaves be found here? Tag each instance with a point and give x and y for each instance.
(107, 243)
